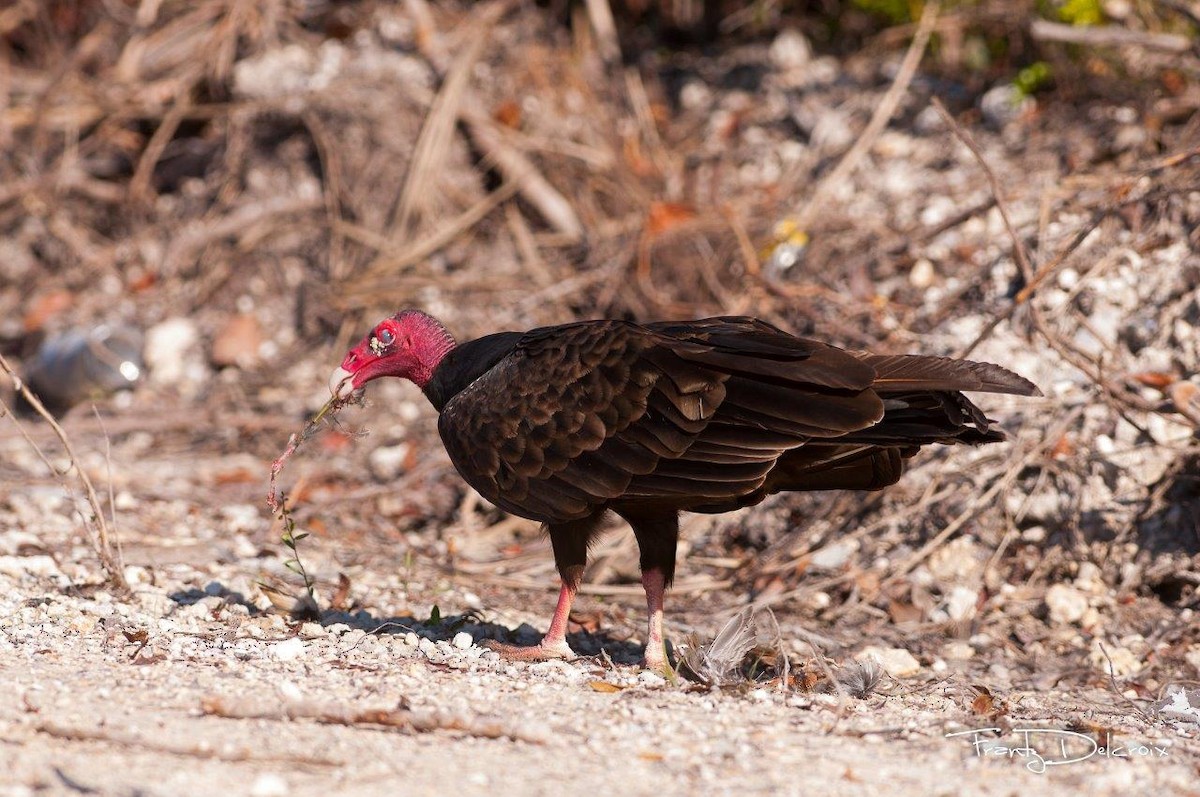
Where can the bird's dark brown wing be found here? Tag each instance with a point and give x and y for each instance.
(580, 415)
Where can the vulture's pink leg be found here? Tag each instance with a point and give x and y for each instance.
(554, 643)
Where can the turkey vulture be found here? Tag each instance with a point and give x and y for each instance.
(564, 423)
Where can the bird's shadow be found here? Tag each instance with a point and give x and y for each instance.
(436, 627)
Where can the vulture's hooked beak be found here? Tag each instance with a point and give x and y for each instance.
(341, 383)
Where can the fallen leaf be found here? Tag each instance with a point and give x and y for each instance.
(46, 306)
(903, 612)
(664, 216)
(341, 596)
(235, 476)
(238, 342)
(985, 703)
(1155, 379)
(140, 636)
(508, 114)
(605, 687)
(1186, 397)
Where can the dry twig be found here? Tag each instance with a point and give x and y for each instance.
(112, 734)
(398, 718)
(1107, 36)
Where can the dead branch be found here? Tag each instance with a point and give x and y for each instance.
(1107, 36)
(112, 734)
(420, 721)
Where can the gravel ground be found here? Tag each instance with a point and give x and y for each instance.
(191, 689)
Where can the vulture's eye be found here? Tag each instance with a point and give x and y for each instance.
(386, 337)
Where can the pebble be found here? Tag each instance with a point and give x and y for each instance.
(651, 679)
(961, 602)
(463, 640)
(832, 557)
(32, 565)
(790, 50)
(957, 562)
(695, 95)
(897, 662)
(312, 631)
(269, 784)
(1066, 604)
(1192, 657)
(170, 345)
(1004, 104)
(388, 462)
(922, 274)
(238, 343)
(1120, 661)
(288, 650)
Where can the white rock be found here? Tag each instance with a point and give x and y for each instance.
(1117, 9)
(39, 565)
(312, 631)
(957, 562)
(695, 95)
(922, 274)
(171, 346)
(1066, 604)
(1004, 104)
(790, 50)
(269, 784)
(960, 603)
(278, 72)
(387, 462)
(463, 640)
(647, 678)
(1120, 661)
(288, 650)
(832, 557)
(832, 132)
(1192, 657)
(957, 650)
(289, 691)
(897, 662)
(1090, 579)
(1034, 534)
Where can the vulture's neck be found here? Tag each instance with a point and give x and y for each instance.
(463, 364)
(430, 342)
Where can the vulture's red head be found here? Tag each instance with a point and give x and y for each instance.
(409, 345)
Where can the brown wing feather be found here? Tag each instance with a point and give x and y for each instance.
(904, 372)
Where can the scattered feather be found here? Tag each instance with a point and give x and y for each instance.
(860, 679)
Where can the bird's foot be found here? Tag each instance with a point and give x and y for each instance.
(543, 651)
(656, 661)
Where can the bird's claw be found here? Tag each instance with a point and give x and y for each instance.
(543, 651)
(656, 661)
